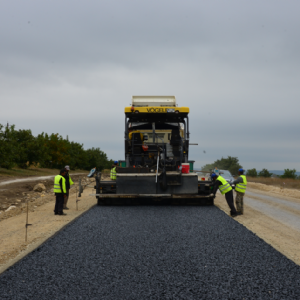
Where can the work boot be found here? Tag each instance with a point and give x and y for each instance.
(239, 213)
(62, 214)
(66, 207)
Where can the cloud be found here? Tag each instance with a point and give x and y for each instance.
(71, 67)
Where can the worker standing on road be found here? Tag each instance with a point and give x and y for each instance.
(240, 188)
(69, 182)
(113, 171)
(225, 188)
(60, 192)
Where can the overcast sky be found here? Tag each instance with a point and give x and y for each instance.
(70, 67)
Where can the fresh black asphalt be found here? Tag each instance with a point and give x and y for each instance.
(153, 252)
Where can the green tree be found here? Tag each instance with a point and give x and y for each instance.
(50, 151)
(8, 146)
(252, 172)
(98, 159)
(289, 174)
(28, 150)
(230, 163)
(78, 156)
(264, 173)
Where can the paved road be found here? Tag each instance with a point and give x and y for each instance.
(153, 252)
(285, 211)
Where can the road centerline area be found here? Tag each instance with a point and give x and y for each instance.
(153, 252)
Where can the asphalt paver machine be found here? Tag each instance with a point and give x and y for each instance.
(156, 165)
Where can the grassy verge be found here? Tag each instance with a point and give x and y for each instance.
(32, 171)
(280, 182)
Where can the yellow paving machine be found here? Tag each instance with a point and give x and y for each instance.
(156, 165)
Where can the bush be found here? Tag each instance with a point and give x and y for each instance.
(265, 173)
(252, 172)
(289, 174)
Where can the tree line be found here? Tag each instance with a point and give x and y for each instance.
(232, 164)
(20, 148)
(288, 173)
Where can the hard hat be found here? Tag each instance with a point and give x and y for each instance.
(213, 175)
(115, 162)
(241, 170)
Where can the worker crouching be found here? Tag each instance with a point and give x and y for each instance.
(225, 189)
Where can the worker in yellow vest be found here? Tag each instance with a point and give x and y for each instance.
(240, 189)
(60, 191)
(225, 189)
(113, 171)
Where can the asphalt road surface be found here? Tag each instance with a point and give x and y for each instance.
(153, 252)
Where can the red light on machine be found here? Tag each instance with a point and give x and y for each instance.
(203, 178)
(145, 147)
(132, 108)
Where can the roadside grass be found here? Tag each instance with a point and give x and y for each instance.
(33, 171)
(280, 182)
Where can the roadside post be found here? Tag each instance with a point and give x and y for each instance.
(26, 225)
(79, 192)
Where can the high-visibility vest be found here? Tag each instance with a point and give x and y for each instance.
(241, 187)
(225, 187)
(113, 173)
(57, 188)
(70, 180)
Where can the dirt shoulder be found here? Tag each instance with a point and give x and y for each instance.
(14, 195)
(44, 223)
(283, 238)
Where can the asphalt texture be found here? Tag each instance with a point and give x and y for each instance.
(153, 252)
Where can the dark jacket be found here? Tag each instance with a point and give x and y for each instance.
(67, 181)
